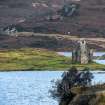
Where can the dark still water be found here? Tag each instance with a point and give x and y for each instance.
(31, 88)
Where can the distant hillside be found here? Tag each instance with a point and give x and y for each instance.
(33, 15)
(56, 42)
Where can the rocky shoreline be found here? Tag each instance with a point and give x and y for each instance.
(94, 95)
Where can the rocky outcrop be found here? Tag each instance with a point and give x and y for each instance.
(90, 96)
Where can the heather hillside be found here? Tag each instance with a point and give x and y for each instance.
(33, 15)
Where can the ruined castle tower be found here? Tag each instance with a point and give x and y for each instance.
(82, 54)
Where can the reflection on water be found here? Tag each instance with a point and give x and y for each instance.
(31, 88)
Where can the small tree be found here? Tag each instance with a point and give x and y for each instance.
(85, 77)
(70, 79)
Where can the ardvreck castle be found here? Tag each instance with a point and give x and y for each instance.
(82, 54)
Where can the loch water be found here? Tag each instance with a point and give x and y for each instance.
(32, 87)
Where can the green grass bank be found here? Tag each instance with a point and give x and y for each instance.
(38, 59)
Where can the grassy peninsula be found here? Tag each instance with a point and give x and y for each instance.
(37, 59)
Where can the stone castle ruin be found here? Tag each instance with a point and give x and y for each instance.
(82, 54)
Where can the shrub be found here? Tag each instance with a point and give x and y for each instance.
(71, 78)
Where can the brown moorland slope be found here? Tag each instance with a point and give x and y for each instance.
(56, 42)
(31, 15)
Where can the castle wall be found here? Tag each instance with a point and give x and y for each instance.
(82, 54)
